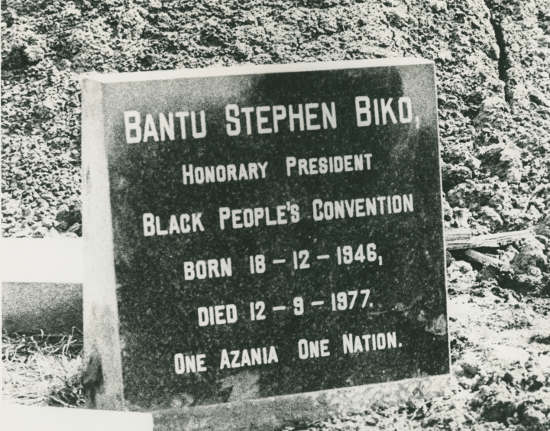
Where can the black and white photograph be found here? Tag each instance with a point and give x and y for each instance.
(283, 215)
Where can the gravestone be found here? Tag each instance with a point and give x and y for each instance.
(264, 236)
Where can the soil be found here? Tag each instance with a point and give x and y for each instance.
(493, 70)
(500, 349)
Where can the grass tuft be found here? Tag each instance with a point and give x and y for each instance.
(42, 369)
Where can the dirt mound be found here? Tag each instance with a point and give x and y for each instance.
(492, 61)
(493, 71)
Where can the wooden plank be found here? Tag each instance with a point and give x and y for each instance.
(456, 239)
(483, 259)
(459, 239)
(18, 417)
(55, 260)
(496, 240)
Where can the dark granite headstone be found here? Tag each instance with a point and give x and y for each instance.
(261, 231)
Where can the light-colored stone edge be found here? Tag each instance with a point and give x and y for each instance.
(253, 69)
(102, 351)
(306, 408)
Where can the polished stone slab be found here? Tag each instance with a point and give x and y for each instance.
(261, 232)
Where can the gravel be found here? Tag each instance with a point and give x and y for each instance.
(493, 71)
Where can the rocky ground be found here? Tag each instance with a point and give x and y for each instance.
(492, 58)
(493, 69)
(500, 348)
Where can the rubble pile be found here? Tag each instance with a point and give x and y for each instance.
(492, 62)
(493, 70)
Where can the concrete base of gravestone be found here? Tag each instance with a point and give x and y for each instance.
(50, 307)
(298, 409)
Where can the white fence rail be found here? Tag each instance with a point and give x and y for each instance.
(47, 260)
(24, 418)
